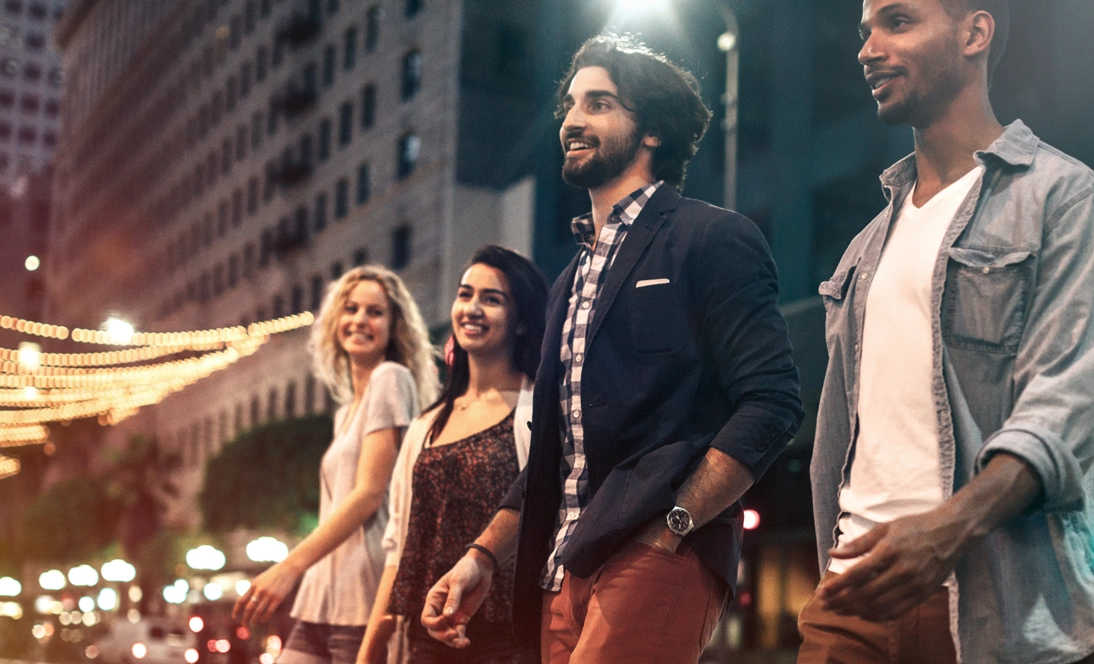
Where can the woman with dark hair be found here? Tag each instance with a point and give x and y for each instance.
(459, 459)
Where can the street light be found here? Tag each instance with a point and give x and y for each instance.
(119, 331)
(32, 263)
(728, 43)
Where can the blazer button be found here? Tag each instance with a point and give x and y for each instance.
(576, 414)
(586, 304)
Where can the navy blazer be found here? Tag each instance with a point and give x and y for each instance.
(697, 356)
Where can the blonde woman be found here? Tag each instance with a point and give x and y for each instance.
(371, 348)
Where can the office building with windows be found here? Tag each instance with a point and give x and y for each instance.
(223, 160)
(30, 86)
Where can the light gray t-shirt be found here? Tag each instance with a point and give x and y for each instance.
(340, 588)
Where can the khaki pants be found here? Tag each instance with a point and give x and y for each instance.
(642, 605)
(921, 636)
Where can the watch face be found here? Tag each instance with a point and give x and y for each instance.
(679, 520)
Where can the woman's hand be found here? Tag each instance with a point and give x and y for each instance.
(265, 594)
(374, 646)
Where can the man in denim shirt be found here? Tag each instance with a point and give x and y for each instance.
(955, 434)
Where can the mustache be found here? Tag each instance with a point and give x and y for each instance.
(574, 134)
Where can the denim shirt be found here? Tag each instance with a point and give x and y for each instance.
(1012, 297)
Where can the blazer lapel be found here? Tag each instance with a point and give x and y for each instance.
(638, 237)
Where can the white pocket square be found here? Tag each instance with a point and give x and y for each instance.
(651, 282)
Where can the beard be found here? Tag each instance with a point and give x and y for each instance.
(609, 159)
(940, 82)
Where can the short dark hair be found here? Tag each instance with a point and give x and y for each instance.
(529, 289)
(1000, 11)
(663, 95)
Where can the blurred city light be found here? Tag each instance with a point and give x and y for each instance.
(205, 557)
(641, 6)
(11, 610)
(139, 650)
(223, 645)
(135, 593)
(92, 651)
(196, 624)
(30, 355)
(176, 594)
(108, 599)
(119, 571)
(91, 619)
(54, 579)
(119, 331)
(273, 645)
(267, 550)
(43, 604)
(134, 616)
(242, 587)
(30, 393)
(32, 263)
(191, 656)
(727, 41)
(82, 575)
(9, 587)
(87, 604)
(212, 591)
(752, 519)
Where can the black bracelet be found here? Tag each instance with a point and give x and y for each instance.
(486, 552)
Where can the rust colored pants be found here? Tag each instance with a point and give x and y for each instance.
(642, 605)
(921, 636)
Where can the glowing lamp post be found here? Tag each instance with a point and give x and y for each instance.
(54, 579)
(205, 557)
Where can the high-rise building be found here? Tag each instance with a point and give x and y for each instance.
(30, 86)
(223, 160)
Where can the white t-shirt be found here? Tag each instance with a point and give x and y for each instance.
(896, 470)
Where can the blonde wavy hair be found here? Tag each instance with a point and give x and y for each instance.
(409, 344)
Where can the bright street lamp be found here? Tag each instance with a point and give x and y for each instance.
(54, 579)
(32, 263)
(119, 331)
(205, 557)
(9, 587)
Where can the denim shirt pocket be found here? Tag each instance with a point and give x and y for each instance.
(834, 294)
(985, 299)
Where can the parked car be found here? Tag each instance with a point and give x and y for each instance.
(148, 641)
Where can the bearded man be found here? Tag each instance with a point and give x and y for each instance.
(665, 390)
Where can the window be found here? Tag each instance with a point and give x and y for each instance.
(264, 8)
(330, 58)
(32, 72)
(231, 93)
(345, 124)
(290, 399)
(270, 182)
(241, 142)
(335, 270)
(211, 168)
(278, 53)
(260, 64)
(13, 6)
(363, 177)
(349, 61)
(7, 98)
(216, 109)
(278, 309)
(27, 135)
(223, 214)
(29, 104)
(297, 302)
(324, 139)
(409, 148)
(53, 107)
(412, 74)
(49, 139)
(272, 116)
(249, 17)
(341, 199)
(400, 247)
(316, 292)
(233, 270)
(271, 403)
(34, 41)
(252, 195)
(360, 257)
(372, 28)
(237, 207)
(5, 131)
(248, 260)
(235, 32)
(257, 122)
(413, 7)
(226, 156)
(246, 76)
(320, 212)
(368, 106)
(266, 246)
(333, 6)
(218, 279)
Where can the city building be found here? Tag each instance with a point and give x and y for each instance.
(30, 86)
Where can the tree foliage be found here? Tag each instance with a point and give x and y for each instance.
(268, 477)
(71, 520)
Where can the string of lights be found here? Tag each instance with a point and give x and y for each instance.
(37, 388)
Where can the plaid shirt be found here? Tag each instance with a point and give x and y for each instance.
(588, 282)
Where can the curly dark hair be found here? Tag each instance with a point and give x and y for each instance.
(663, 95)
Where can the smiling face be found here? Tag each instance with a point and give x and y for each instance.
(600, 137)
(483, 312)
(364, 326)
(912, 59)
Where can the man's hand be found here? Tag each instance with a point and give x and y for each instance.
(656, 533)
(905, 562)
(456, 597)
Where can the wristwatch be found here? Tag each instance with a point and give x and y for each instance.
(679, 521)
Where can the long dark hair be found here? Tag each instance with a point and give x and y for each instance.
(663, 95)
(529, 289)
